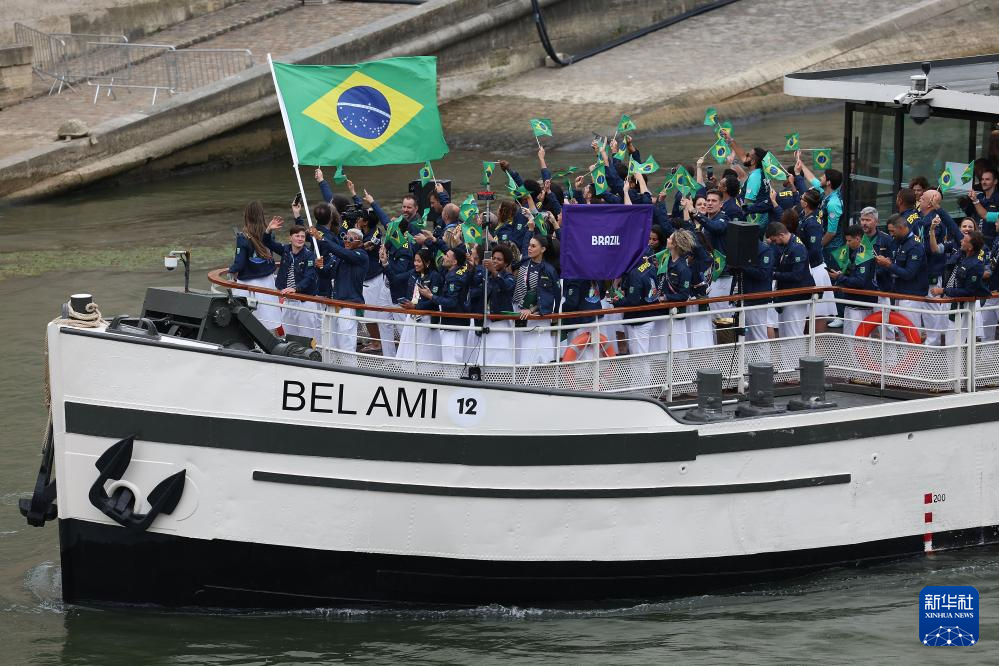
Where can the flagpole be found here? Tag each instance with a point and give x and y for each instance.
(538, 139)
(294, 152)
(485, 288)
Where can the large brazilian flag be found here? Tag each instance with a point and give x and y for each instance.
(372, 113)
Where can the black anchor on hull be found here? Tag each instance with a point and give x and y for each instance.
(120, 504)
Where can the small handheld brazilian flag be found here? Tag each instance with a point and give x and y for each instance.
(539, 223)
(517, 191)
(968, 173)
(720, 151)
(562, 173)
(684, 182)
(710, 116)
(866, 251)
(719, 264)
(426, 174)
(471, 234)
(426, 218)
(645, 168)
(541, 126)
(393, 234)
(339, 177)
(791, 142)
(662, 261)
(511, 184)
(822, 158)
(772, 167)
(669, 183)
(599, 176)
(841, 256)
(469, 209)
(726, 125)
(626, 125)
(621, 154)
(487, 172)
(948, 179)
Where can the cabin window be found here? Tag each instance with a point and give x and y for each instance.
(987, 140)
(873, 148)
(929, 147)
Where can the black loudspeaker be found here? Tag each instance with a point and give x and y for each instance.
(742, 244)
(422, 192)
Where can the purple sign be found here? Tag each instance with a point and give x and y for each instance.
(603, 241)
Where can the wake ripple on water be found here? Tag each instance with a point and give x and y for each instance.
(45, 583)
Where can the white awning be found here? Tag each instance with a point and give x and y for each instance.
(966, 80)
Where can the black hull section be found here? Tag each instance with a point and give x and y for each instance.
(107, 565)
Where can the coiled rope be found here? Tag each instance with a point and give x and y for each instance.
(90, 318)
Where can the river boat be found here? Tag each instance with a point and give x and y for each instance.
(196, 460)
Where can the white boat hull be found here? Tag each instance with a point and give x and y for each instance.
(313, 485)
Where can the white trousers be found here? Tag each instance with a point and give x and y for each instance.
(639, 342)
(826, 307)
(913, 314)
(300, 318)
(663, 339)
(499, 344)
(454, 346)
(791, 323)
(345, 336)
(700, 328)
(989, 319)
(376, 292)
(852, 316)
(417, 343)
(935, 323)
(757, 322)
(535, 344)
(266, 311)
(720, 287)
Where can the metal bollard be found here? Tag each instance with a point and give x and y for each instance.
(709, 398)
(812, 370)
(761, 392)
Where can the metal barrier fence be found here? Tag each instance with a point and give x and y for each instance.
(159, 67)
(107, 62)
(129, 66)
(57, 55)
(199, 67)
(659, 354)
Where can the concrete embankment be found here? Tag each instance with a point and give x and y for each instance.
(733, 59)
(492, 76)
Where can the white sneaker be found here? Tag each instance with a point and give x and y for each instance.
(836, 322)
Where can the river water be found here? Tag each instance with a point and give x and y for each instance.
(109, 241)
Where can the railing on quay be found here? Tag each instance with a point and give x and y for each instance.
(160, 67)
(659, 350)
(107, 62)
(58, 55)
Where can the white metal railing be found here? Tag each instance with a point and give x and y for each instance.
(58, 55)
(107, 62)
(612, 355)
(159, 67)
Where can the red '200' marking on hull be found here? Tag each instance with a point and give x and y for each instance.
(928, 518)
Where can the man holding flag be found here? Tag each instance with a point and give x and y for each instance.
(858, 273)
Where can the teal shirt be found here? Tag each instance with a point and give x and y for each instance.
(754, 181)
(831, 214)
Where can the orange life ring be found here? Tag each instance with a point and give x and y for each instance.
(911, 356)
(579, 343)
(872, 321)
